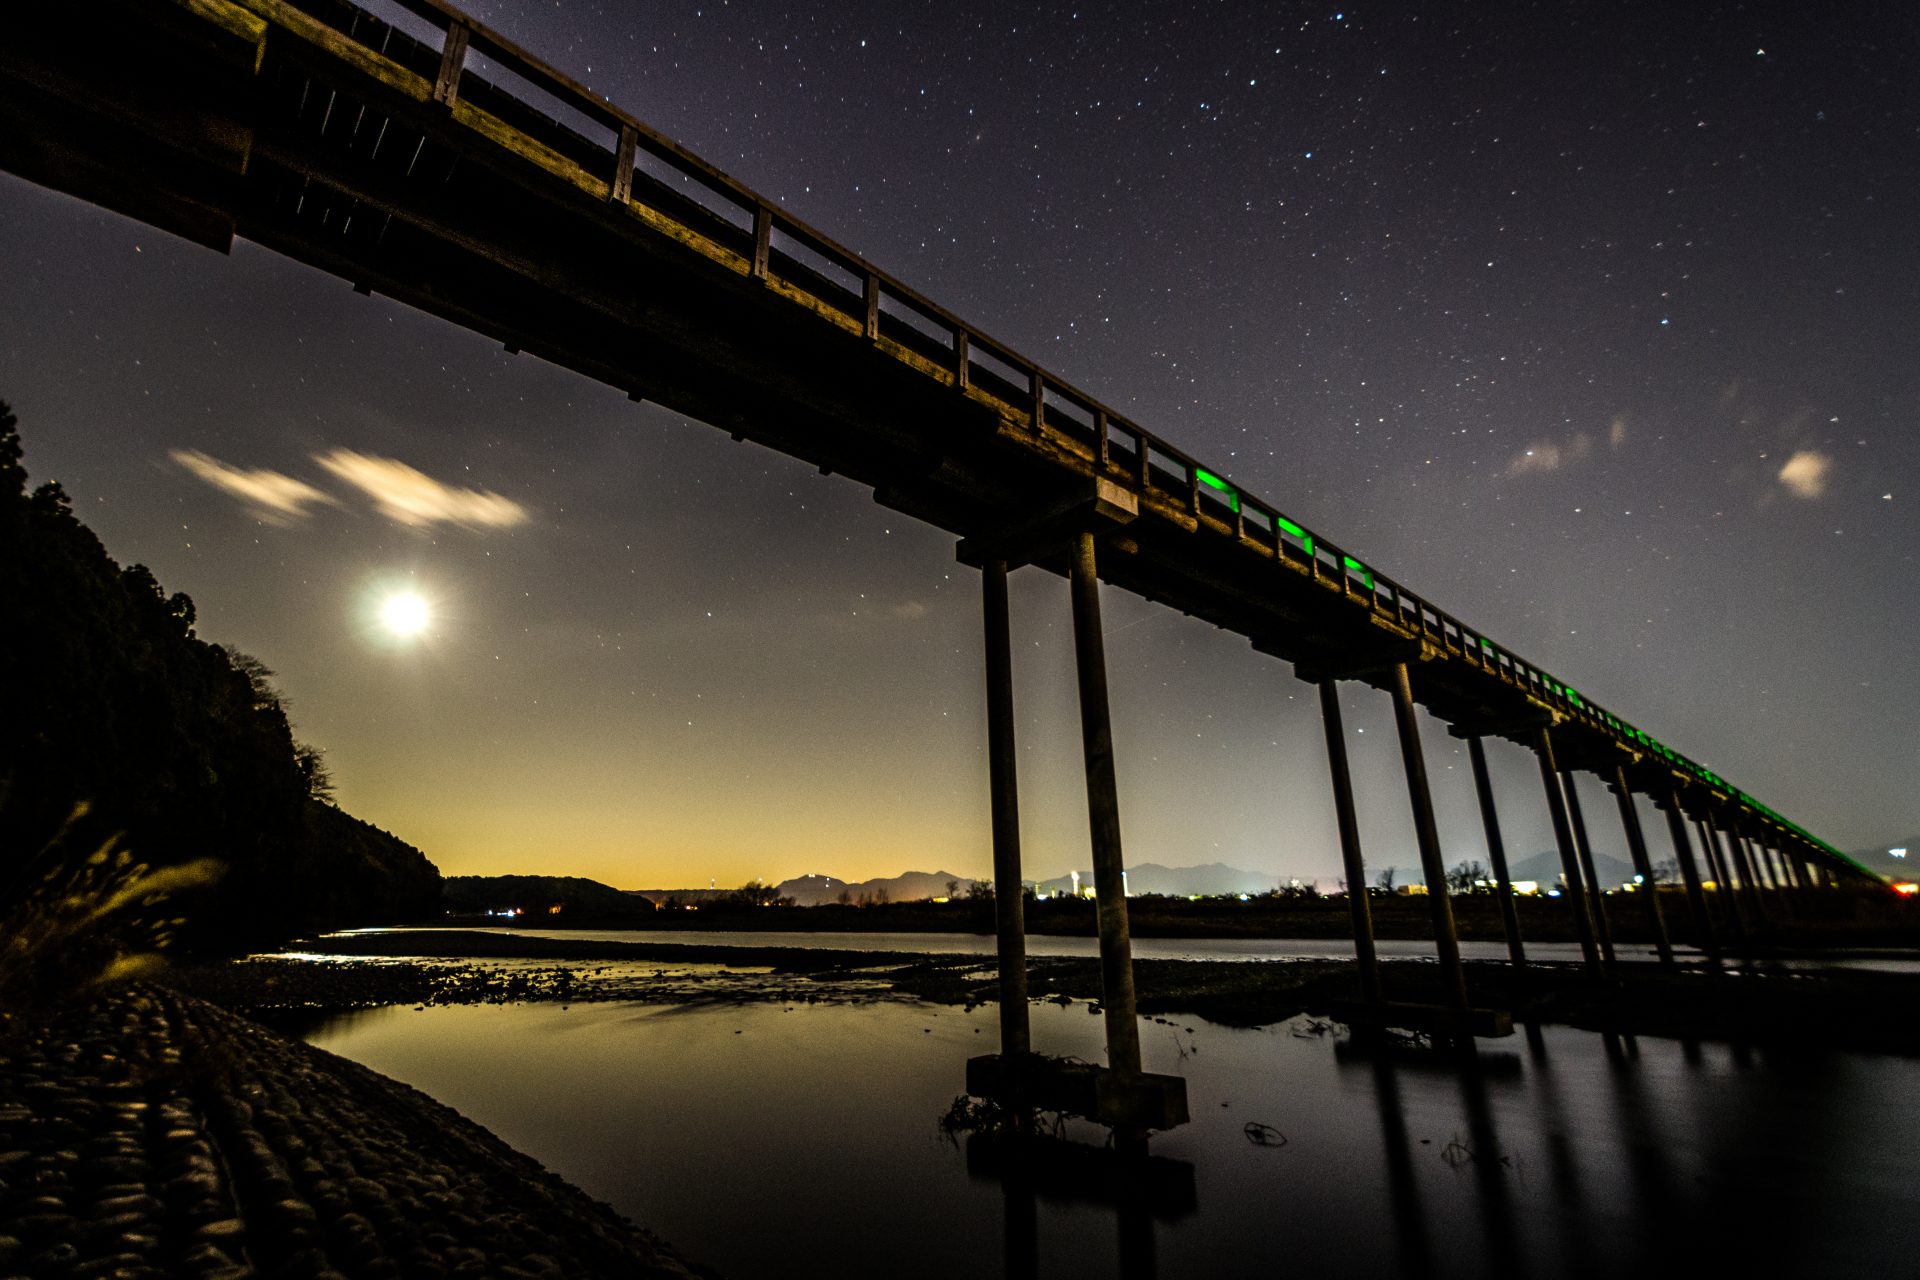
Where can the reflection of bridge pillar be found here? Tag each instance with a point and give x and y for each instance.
(1103, 814)
(1563, 837)
(1009, 904)
(1496, 851)
(1642, 865)
(1690, 876)
(1358, 906)
(1453, 979)
(1584, 846)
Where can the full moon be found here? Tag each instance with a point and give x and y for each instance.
(404, 614)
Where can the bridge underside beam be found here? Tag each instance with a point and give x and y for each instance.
(368, 160)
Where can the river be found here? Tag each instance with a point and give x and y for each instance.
(773, 1140)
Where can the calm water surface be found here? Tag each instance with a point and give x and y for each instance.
(773, 1141)
(944, 944)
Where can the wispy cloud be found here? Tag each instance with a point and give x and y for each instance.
(276, 498)
(411, 497)
(1545, 456)
(1805, 473)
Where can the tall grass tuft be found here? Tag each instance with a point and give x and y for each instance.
(88, 920)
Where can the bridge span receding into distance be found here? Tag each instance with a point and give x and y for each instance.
(415, 153)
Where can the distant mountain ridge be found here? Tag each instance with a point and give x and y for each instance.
(541, 895)
(1545, 868)
(913, 886)
(908, 886)
(1207, 880)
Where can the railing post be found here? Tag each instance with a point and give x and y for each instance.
(1690, 875)
(1642, 864)
(1358, 905)
(1563, 837)
(453, 58)
(962, 361)
(1103, 815)
(762, 240)
(1584, 846)
(870, 295)
(620, 189)
(1496, 852)
(1009, 900)
(1453, 979)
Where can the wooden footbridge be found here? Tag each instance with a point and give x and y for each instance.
(416, 154)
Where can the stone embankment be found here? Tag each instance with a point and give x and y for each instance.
(149, 1134)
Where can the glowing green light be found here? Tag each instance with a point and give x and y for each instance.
(1306, 539)
(1574, 698)
(1213, 481)
(1354, 566)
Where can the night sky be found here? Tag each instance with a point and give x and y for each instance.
(1594, 323)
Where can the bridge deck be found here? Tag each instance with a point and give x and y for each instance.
(474, 182)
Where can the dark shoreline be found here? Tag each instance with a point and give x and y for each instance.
(147, 1134)
(1758, 1003)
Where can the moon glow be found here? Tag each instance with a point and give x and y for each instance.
(405, 615)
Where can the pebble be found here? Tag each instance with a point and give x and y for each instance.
(108, 1169)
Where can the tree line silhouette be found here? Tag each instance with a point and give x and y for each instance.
(109, 698)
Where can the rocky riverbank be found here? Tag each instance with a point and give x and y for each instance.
(149, 1134)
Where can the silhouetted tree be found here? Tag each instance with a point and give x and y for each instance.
(1466, 877)
(755, 893)
(108, 696)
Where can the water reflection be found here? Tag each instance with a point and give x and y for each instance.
(775, 1141)
(1137, 1190)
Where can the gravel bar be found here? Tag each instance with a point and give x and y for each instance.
(149, 1134)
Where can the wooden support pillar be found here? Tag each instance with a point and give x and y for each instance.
(1795, 891)
(1563, 837)
(1784, 876)
(1584, 846)
(1496, 852)
(1690, 875)
(1749, 878)
(1103, 815)
(1453, 978)
(1716, 857)
(1775, 875)
(1642, 865)
(1009, 900)
(1358, 905)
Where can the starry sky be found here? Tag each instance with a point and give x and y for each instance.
(1594, 323)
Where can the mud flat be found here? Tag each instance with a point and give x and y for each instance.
(1759, 1003)
(150, 1134)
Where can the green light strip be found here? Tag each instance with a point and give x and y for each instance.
(1354, 566)
(1213, 481)
(1294, 529)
